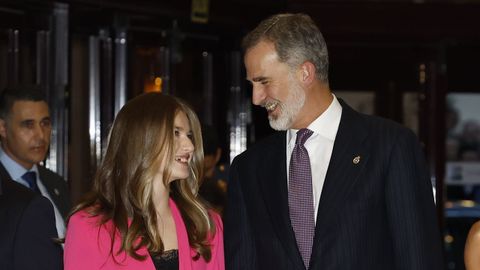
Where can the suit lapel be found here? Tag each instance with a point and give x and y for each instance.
(3, 172)
(350, 154)
(4, 176)
(273, 184)
(54, 190)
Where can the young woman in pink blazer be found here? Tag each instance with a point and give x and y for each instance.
(143, 211)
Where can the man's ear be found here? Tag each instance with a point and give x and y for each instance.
(3, 128)
(307, 72)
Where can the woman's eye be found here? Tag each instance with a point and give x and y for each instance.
(177, 133)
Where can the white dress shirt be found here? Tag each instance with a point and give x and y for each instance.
(16, 171)
(319, 146)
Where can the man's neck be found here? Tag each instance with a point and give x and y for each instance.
(317, 100)
(25, 165)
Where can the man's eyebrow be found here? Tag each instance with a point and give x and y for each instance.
(259, 79)
(27, 122)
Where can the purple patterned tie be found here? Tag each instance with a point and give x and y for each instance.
(300, 196)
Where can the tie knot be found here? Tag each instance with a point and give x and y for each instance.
(303, 135)
(31, 178)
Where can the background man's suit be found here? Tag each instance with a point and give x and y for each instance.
(56, 186)
(27, 229)
(376, 214)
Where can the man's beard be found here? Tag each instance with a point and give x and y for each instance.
(290, 108)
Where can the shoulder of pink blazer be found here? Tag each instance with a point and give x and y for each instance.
(88, 242)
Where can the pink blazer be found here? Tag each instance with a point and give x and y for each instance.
(88, 247)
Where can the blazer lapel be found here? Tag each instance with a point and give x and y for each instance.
(184, 250)
(349, 156)
(273, 184)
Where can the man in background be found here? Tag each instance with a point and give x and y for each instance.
(214, 184)
(25, 130)
(27, 230)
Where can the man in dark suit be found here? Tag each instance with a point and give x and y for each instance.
(348, 191)
(27, 230)
(25, 130)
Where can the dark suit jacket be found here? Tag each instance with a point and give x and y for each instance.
(377, 214)
(27, 229)
(56, 186)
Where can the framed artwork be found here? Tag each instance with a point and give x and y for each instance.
(463, 139)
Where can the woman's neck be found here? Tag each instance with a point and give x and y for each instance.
(165, 222)
(160, 198)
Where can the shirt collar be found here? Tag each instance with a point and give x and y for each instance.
(325, 125)
(14, 169)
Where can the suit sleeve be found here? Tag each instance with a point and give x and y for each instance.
(239, 241)
(411, 210)
(34, 246)
(81, 244)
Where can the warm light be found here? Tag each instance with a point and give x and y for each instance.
(423, 74)
(467, 203)
(153, 84)
(158, 82)
(448, 204)
(448, 239)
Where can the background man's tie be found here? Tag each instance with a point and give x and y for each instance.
(31, 178)
(300, 196)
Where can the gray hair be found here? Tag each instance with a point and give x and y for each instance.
(296, 38)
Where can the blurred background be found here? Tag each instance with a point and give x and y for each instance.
(413, 61)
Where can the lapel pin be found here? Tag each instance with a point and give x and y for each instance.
(56, 192)
(356, 160)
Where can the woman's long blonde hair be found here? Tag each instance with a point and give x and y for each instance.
(142, 135)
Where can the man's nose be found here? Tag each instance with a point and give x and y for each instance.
(258, 95)
(40, 132)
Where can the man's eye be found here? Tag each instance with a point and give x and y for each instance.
(27, 124)
(46, 123)
(264, 82)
